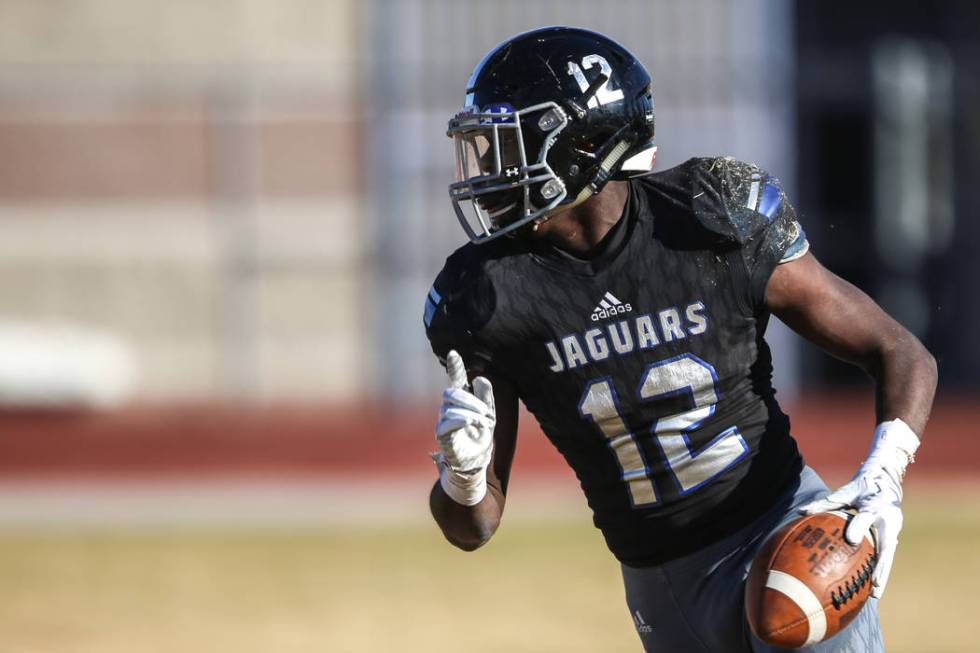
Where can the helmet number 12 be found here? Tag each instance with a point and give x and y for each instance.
(681, 375)
(604, 95)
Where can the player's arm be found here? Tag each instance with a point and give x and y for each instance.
(846, 323)
(477, 433)
(849, 325)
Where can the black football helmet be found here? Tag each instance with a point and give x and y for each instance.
(550, 116)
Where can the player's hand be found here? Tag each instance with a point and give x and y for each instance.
(877, 496)
(876, 493)
(465, 433)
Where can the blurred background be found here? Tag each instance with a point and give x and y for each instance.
(218, 224)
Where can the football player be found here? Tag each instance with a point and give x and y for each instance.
(627, 311)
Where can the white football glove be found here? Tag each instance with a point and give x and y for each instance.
(465, 434)
(876, 493)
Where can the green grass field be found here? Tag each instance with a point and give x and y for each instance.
(540, 586)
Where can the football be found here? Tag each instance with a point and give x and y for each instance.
(807, 583)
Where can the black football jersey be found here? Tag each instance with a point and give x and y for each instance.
(645, 365)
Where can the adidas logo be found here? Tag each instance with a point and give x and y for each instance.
(609, 306)
(642, 627)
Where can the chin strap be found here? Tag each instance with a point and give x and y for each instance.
(601, 177)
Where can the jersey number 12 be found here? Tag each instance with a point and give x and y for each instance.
(681, 375)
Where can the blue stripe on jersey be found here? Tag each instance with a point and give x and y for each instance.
(430, 311)
(770, 201)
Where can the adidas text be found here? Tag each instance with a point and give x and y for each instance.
(603, 313)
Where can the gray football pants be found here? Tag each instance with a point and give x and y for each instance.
(694, 604)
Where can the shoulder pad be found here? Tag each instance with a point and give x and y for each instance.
(735, 200)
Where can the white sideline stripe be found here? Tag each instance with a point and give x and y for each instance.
(802, 596)
(333, 500)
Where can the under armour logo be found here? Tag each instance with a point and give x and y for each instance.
(512, 172)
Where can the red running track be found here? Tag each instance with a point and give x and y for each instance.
(283, 441)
